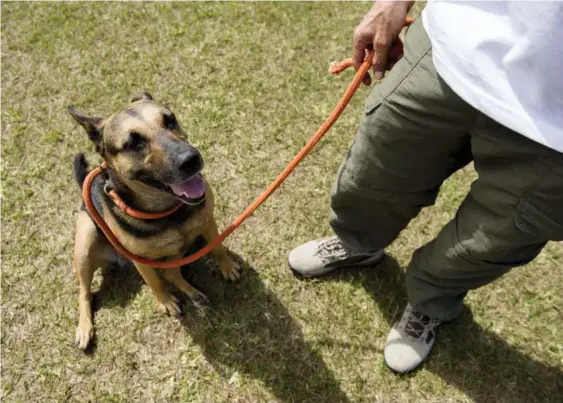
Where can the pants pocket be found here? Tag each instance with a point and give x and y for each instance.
(540, 211)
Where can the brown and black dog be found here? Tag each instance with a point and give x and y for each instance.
(151, 166)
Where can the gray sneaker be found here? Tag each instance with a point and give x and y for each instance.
(322, 256)
(410, 340)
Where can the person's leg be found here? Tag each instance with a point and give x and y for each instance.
(413, 135)
(514, 207)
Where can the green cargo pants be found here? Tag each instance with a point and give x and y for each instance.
(416, 132)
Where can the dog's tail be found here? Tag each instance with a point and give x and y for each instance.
(80, 166)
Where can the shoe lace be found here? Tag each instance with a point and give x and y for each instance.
(417, 324)
(333, 249)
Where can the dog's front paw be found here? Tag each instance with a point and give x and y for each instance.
(200, 300)
(84, 335)
(169, 305)
(230, 270)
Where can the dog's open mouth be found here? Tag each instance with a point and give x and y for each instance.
(191, 191)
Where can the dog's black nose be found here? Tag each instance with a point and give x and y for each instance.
(190, 162)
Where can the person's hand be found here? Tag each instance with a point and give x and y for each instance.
(379, 30)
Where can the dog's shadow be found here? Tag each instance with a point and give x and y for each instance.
(248, 333)
(120, 283)
(473, 359)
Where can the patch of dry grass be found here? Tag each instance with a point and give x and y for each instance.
(248, 82)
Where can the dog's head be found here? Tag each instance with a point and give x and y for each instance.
(145, 145)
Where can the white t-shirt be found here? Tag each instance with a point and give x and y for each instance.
(505, 59)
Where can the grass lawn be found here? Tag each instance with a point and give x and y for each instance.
(249, 83)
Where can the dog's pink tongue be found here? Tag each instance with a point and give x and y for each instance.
(192, 189)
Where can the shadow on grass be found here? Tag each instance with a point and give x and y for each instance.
(249, 331)
(120, 283)
(473, 359)
(246, 330)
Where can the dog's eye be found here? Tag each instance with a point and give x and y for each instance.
(135, 142)
(169, 121)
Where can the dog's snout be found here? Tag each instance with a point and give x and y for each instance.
(190, 162)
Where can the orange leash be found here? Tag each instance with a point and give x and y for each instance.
(136, 213)
(141, 214)
(86, 188)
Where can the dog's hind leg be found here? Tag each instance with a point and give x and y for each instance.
(175, 277)
(229, 269)
(91, 251)
(166, 302)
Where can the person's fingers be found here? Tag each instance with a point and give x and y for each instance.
(367, 80)
(381, 48)
(396, 50)
(394, 54)
(359, 55)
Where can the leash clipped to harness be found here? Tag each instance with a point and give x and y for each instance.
(325, 127)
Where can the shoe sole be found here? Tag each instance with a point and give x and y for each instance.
(372, 261)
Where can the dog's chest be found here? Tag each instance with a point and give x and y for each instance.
(170, 242)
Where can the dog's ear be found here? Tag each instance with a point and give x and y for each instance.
(141, 96)
(93, 125)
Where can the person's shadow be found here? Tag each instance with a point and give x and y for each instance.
(248, 333)
(473, 359)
